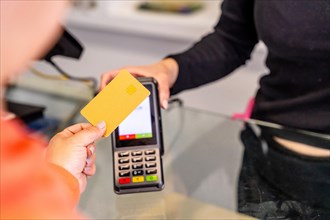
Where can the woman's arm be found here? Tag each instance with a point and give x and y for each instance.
(220, 52)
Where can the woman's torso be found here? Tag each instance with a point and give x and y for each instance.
(297, 90)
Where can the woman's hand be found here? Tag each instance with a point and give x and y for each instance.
(73, 149)
(165, 72)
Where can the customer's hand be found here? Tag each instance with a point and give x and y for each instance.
(165, 72)
(73, 149)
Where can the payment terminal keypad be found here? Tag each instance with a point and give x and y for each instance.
(137, 168)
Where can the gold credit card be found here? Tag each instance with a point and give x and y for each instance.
(116, 101)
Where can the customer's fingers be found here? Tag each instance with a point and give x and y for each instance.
(90, 160)
(90, 170)
(90, 149)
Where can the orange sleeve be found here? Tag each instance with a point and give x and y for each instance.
(31, 188)
(69, 180)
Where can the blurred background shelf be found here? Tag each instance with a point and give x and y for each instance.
(115, 34)
(124, 16)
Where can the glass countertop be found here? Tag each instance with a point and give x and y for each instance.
(208, 175)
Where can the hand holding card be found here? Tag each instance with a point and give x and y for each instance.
(115, 102)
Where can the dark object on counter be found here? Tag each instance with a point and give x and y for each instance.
(26, 112)
(33, 117)
(66, 46)
(172, 7)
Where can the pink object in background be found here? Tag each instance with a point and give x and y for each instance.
(245, 115)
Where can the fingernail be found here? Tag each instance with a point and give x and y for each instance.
(101, 125)
(165, 104)
(92, 149)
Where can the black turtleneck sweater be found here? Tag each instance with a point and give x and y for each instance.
(296, 91)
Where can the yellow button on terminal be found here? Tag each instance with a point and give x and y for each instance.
(138, 179)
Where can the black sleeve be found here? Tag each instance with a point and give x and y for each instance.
(222, 51)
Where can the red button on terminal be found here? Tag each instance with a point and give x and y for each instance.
(124, 180)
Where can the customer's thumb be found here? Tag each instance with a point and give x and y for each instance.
(91, 134)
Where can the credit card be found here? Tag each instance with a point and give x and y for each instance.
(115, 102)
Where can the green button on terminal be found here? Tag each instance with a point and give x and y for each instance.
(152, 178)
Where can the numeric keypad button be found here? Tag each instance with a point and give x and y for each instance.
(149, 152)
(123, 154)
(153, 171)
(124, 174)
(136, 153)
(137, 172)
(149, 165)
(124, 160)
(150, 158)
(137, 166)
(124, 167)
(136, 159)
